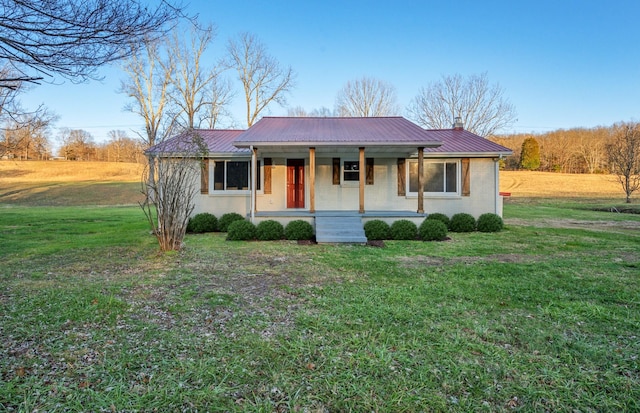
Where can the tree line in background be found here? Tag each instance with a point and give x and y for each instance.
(578, 150)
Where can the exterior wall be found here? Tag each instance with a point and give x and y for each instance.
(381, 196)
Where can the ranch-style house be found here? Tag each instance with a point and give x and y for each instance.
(326, 169)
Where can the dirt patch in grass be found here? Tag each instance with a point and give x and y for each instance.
(494, 258)
(608, 226)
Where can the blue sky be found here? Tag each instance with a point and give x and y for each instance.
(563, 64)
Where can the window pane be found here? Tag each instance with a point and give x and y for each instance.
(218, 176)
(433, 177)
(413, 176)
(258, 176)
(237, 175)
(452, 177)
(351, 170)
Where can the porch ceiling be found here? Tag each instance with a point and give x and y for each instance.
(407, 151)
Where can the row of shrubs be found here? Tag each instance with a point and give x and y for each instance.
(238, 228)
(433, 228)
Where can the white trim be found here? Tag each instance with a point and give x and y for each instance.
(456, 194)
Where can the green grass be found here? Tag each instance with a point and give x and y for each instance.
(534, 318)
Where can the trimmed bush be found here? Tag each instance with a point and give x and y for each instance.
(462, 222)
(440, 217)
(201, 223)
(404, 229)
(432, 230)
(490, 223)
(376, 230)
(298, 230)
(227, 219)
(269, 230)
(241, 231)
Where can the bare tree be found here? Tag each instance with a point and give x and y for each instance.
(198, 93)
(72, 38)
(77, 144)
(147, 85)
(482, 107)
(263, 80)
(624, 156)
(26, 133)
(170, 196)
(300, 112)
(367, 97)
(591, 148)
(219, 96)
(297, 112)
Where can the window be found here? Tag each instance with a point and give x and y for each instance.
(233, 175)
(351, 171)
(439, 177)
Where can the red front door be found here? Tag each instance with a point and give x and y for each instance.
(295, 183)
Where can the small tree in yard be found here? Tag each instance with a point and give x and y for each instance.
(624, 157)
(177, 164)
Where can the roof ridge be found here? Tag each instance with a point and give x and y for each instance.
(332, 117)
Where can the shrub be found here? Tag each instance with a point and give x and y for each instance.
(432, 230)
(462, 222)
(404, 229)
(227, 219)
(490, 223)
(241, 231)
(203, 222)
(440, 217)
(376, 230)
(269, 230)
(298, 230)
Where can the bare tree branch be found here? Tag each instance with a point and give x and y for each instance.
(482, 107)
(72, 38)
(263, 80)
(366, 97)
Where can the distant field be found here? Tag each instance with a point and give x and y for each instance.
(547, 184)
(69, 171)
(52, 183)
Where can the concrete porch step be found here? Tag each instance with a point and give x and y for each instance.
(339, 229)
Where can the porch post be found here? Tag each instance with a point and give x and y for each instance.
(254, 180)
(421, 180)
(312, 180)
(362, 180)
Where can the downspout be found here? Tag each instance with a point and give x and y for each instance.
(253, 184)
(496, 163)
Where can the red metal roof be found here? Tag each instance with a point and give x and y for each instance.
(315, 131)
(217, 141)
(464, 142)
(290, 131)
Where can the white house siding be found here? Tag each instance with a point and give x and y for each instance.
(381, 196)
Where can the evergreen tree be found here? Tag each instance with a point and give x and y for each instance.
(530, 154)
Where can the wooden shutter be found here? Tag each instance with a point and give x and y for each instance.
(336, 171)
(204, 176)
(402, 187)
(369, 166)
(268, 162)
(466, 177)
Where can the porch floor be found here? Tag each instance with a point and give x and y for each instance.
(339, 213)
